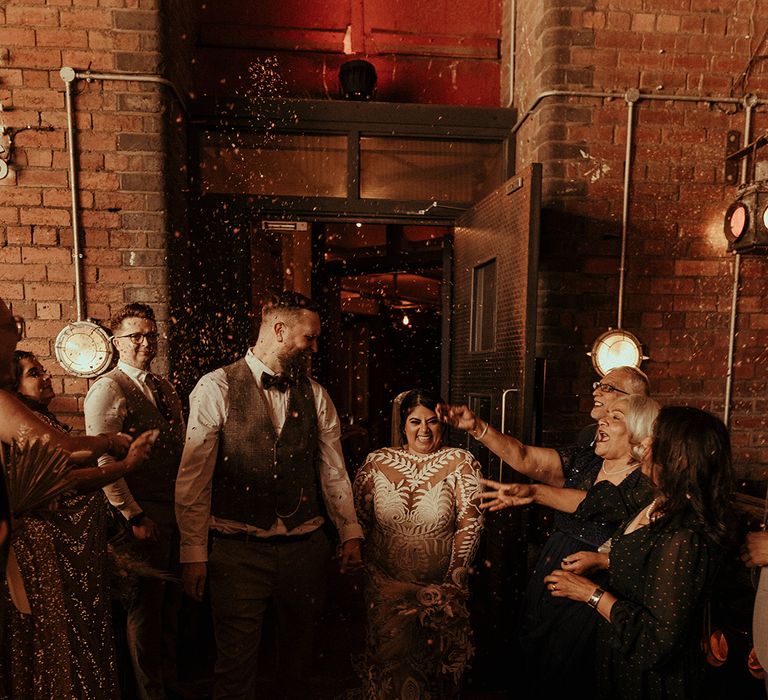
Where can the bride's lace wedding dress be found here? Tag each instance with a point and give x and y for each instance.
(422, 526)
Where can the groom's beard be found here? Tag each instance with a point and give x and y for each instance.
(297, 365)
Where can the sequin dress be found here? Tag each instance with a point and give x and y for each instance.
(661, 575)
(422, 529)
(64, 648)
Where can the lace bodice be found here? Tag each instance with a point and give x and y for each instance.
(421, 522)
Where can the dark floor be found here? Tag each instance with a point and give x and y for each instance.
(341, 636)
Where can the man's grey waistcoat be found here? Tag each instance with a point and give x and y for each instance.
(155, 480)
(259, 475)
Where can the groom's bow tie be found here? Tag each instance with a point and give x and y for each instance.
(281, 382)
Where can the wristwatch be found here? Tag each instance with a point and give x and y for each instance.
(594, 599)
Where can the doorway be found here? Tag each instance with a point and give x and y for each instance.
(381, 290)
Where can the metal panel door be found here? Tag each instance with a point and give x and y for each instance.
(497, 375)
(493, 329)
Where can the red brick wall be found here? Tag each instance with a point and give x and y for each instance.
(122, 129)
(132, 152)
(679, 274)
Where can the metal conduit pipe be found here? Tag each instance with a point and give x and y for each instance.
(631, 97)
(137, 78)
(69, 75)
(617, 95)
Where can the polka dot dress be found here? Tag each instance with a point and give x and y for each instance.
(661, 575)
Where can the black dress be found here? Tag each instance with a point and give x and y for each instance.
(661, 575)
(557, 635)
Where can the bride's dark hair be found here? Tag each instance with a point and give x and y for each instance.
(417, 397)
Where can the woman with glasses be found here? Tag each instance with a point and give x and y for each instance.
(57, 640)
(554, 643)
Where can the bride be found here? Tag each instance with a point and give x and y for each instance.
(417, 505)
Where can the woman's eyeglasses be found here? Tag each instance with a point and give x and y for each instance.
(137, 338)
(608, 388)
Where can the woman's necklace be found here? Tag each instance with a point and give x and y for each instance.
(618, 471)
(649, 510)
(640, 519)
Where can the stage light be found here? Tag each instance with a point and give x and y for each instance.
(358, 80)
(746, 220)
(616, 348)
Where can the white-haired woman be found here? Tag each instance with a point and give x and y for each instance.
(589, 508)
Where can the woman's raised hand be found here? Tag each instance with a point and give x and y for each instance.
(457, 416)
(582, 563)
(119, 443)
(498, 496)
(140, 448)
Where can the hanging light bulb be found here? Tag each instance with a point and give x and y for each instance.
(406, 320)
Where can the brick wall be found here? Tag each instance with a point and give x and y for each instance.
(122, 130)
(132, 145)
(679, 274)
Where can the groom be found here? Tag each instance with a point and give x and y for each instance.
(262, 428)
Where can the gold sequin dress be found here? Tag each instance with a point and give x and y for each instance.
(64, 649)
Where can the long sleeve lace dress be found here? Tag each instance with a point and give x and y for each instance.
(422, 526)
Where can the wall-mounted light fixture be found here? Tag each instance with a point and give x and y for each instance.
(84, 348)
(616, 348)
(746, 219)
(358, 80)
(5, 147)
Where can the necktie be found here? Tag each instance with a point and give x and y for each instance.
(281, 382)
(160, 402)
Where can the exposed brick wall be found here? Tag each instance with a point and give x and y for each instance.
(132, 145)
(679, 274)
(121, 134)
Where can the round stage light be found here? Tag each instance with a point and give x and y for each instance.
(616, 348)
(84, 349)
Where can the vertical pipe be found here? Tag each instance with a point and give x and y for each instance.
(749, 104)
(512, 28)
(68, 76)
(632, 96)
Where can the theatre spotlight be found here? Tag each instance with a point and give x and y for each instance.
(746, 220)
(616, 348)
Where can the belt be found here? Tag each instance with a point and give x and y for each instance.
(250, 537)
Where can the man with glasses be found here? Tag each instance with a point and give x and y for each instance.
(547, 657)
(130, 399)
